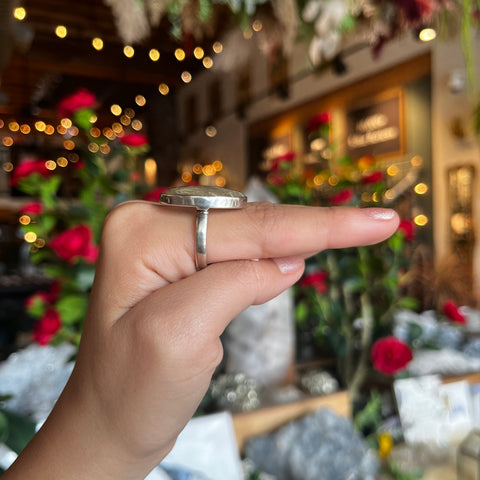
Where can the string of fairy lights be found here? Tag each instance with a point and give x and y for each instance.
(61, 31)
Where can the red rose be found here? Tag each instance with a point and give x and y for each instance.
(407, 227)
(42, 297)
(318, 121)
(78, 100)
(318, 280)
(75, 242)
(33, 208)
(134, 140)
(154, 195)
(27, 168)
(372, 178)
(47, 327)
(342, 197)
(285, 157)
(451, 310)
(389, 355)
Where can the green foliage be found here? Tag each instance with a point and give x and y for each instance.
(347, 297)
(101, 181)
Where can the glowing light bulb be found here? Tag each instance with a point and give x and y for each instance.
(61, 31)
(19, 13)
(163, 89)
(427, 34)
(128, 51)
(97, 43)
(154, 55)
(179, 54)
(198, 53)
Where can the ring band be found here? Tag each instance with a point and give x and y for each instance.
(202, 198)
(201, 239)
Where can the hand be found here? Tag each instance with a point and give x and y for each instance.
(151, 340)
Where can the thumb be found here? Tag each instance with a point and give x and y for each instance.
(191, 314)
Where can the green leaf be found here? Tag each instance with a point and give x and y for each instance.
(3, 427)
(72, 308)
(20, 431)
(82, 117)
(410, 303)
(301, 312)
(37, 306)
(396, 242)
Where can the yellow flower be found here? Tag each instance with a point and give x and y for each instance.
(385, 444)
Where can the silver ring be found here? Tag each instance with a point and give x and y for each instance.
(202, 198)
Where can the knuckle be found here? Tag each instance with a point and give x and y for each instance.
(265, 217)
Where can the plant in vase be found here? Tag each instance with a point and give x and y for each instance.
(63, 233)
(346, 299)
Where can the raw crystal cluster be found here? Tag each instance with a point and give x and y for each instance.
(319, 446)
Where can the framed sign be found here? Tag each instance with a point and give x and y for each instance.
(376, 128)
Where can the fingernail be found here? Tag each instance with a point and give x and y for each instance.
(380, 213)
(288, 264)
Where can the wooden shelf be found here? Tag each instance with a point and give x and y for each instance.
(267, 419)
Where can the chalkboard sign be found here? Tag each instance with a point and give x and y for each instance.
(375, 129)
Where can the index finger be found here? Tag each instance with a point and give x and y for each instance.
(146, 246)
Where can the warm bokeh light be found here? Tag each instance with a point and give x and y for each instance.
(421, 188)
(105, 148)
(125, 120)
(73, 157)
(97, 43)
(186, 76)
(210, 131)
(61, 31)
(66, 123)
(25, 129)
(207, 62)
(7, 141)
(427, 34)
(186, 177)
(154, 54)
(68, 144)
(50, 165)
(117, 127)
(93, 147)
(62, 162)
(40, 126)
(179, 54)
(30, 237)
(416, 161)
(25, 220)
(19, 13)
(217, 165)
(421, 220)
(13, 126)
(137, 125)
(392, 170)
(217, 47)
(333, 180)
(116, 109)
(7, 167)
(140, 100)
(257, 25)
(73, 131)
(128, 51)
(198, 53)
(1, 123)
(49, 130)
(95, 132)
(220, 182)
(150, 170)
(129, 112)
(389, 195)
(197, 169)
(163, 89)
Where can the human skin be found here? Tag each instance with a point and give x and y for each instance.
(151, 340)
